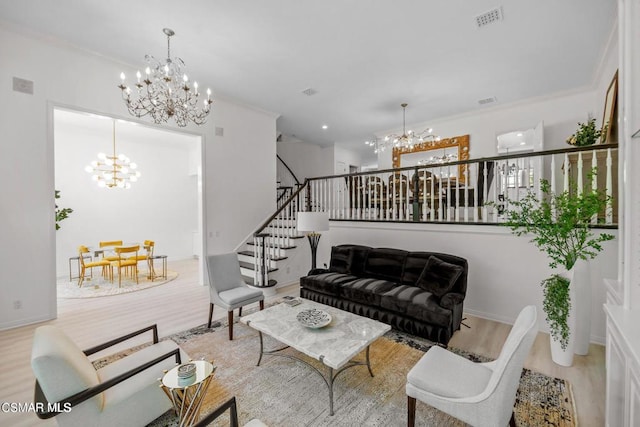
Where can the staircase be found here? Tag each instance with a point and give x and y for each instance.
(266, 256)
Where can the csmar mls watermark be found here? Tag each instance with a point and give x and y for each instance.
(15, 407)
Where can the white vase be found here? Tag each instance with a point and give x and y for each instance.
(558, 355)
(581, 285)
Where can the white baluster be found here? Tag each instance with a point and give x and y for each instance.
(580, 183)
(485, 192)
(609, 189)
(567, 171)
(594, 180)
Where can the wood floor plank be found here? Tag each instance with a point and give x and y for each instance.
(182, 304)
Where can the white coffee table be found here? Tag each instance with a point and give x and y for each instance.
(335, 345)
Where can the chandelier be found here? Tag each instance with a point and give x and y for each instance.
(115, 171)
(166, 92)
(407, 140)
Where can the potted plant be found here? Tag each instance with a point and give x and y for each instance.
(61, 213)
(587, 134)
(560, 226)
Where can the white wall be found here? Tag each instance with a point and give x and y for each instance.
(162, 206)
(307, 160)
(346, 156)
(242, 160)
(505, 271)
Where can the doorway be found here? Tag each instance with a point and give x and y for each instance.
(163, 204)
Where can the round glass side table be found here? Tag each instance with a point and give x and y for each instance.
(187, 394)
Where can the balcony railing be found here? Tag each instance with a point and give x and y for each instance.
(479, 192)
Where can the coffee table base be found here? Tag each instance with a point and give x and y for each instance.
(330, 378)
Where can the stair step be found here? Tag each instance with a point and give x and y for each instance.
(249, 253)
(274, 246)
(251, 282)
(250, 266)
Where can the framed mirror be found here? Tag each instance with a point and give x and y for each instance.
(436, 152)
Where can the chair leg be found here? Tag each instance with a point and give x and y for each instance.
(512, 421)
(230, 316)
(240, 312)
(411, 411)
(81, 278)
(210, 315)
(262, 304)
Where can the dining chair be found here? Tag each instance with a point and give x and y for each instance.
(227, 288)
(109, 243)
(126, 261)
(107, 269)
(148, 246)
(480, 394)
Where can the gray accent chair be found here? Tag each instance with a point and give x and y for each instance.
(227, 289)
(480, 394)
(125, 392)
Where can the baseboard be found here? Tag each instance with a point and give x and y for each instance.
(594, 339)
(25, 322)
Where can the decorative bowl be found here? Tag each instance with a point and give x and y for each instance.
(314, 318)
(187, 370)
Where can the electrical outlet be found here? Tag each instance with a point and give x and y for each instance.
(17, 304)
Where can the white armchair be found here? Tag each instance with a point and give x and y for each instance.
(227, 288)
(481, 394)
(125, 392)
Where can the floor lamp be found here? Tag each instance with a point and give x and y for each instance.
(312, 223)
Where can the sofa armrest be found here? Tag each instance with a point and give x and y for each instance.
(315, 271)
(451, 299)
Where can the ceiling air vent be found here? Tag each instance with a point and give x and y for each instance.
(486, 101)
(310, 91)
(484, 19)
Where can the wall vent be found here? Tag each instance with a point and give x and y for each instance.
(23, 85)
(489, 17)
(219, 131)
(310, 91)
(487, 100)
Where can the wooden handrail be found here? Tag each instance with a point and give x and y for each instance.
(289, 169)
(281, 208)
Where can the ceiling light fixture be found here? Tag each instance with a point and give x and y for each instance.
(116, 171)
(166, 92)
(407, 140)
(325, 127)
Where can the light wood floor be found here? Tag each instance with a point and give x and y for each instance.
(182, 304)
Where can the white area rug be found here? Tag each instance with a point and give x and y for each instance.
(101, 287)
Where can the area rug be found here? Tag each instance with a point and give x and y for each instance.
(281, 392)
(101, 287)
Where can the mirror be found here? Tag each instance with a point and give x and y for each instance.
(436, 152)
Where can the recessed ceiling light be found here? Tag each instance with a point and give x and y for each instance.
(523, 143)
(519, 134)
(325, 127)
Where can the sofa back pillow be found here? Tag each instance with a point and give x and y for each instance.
(438, 276)
(341, 259)
(385, 263)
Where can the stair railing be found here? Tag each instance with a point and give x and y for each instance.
(275, 235)
(288, 183)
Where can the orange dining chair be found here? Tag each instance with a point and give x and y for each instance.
(126, 260)
(148, 246)
(106, 266)
(109, 243)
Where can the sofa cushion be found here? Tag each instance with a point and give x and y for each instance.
(366, 291)
(413, 267)
(327, 283)
(416, 303)
(359, 259)
(385, 263)
(438, 276)
(341, 258)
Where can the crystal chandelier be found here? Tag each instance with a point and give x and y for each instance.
(407, 140)
(166, 92)
(115, 171)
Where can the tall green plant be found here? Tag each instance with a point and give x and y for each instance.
(61, 213)
(560, 223)
(560, 226)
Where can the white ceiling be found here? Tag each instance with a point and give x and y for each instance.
(364, 57)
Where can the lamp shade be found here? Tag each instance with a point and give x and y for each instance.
(313, 221)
